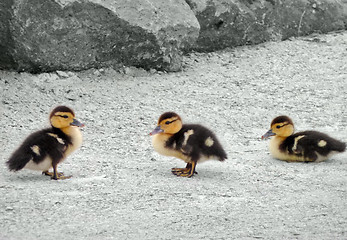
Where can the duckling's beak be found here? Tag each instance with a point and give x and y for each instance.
(268, 134)
(156, 130)
(76, 123)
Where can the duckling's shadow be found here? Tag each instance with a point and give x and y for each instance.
(328, 161)
(28, 178)
(208, 174)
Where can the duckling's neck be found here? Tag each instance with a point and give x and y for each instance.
(274, 146)
(159, 140)
(67, 130)
(277, 140)
(76, 138)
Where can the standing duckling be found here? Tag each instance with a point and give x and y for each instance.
(45, 149)
(190, 142)
(307, 146)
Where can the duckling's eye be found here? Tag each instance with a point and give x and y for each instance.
(278, 126)
(64, 116)
(168, 122)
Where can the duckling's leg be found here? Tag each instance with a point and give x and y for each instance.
(58, 175)
(55, 174)
(177, 171)
(188, 171)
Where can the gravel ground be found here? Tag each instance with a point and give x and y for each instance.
(122, 189)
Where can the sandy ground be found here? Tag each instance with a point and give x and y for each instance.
(122, 189)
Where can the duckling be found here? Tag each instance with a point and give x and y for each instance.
(192, 143)
(45, 149)
(307, 146)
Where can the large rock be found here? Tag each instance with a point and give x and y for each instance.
(6, 42)
(47, 35)
(302, 17)
(229, 23)
(74, 35)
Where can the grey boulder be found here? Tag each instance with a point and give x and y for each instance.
(73, 35)
(229, 23)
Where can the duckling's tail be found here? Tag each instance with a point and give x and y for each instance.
(223, 156)
(18, 161)
(340, 146)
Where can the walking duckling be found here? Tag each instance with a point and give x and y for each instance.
(192, 143)
(307, 146)
(45, 149)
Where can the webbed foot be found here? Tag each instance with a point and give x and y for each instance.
(183, 172)
(60, 175)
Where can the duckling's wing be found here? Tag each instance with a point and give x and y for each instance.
(36, 147)
(202, 141)
(309, 143)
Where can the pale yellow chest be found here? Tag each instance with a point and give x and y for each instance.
(76, 139)
(159, 141)
(274, 145)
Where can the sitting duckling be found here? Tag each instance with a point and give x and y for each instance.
(47, 148)
(190, 142)
(307, 146)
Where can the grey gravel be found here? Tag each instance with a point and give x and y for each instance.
(122, 189)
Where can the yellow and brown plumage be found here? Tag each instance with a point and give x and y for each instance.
(45, 149)
(307, 146)
(192, 143)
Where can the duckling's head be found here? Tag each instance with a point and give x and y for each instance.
(169, 123)
(281, 126)
(62, 117)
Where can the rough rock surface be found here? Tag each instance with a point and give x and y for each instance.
(69, 34)
(40, 35)
(6, 43)
(238, 22)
